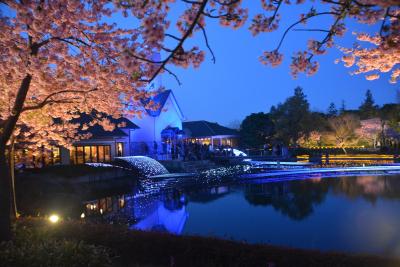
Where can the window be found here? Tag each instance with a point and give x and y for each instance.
(55, 155)
(79, 155)
(86, 154)
(93, 153)
(100, 150)
(73, 155)
(120, 149)
(107, 153)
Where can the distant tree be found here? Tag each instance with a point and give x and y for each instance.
(343, 130)
(370, 131)
(368, 109)
(332, 111)
(235, 124)
(342, 107)
(389, 115)
(256, 130)
(292, 119)
(313, 139)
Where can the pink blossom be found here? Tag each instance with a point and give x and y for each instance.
(273, 58)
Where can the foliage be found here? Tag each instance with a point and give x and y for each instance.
(61, 58)
(256, 130)
(292, 119)
(137, 248)
(370, 130)
(368, 109)
(391, 114)
(313, 140)
(342, 107)
(332, 110)
(343, 130)
(36, 247)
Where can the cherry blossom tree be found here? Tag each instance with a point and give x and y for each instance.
(343, 130)
(312, 140)
(370, 130)
(62, 58)
(380, 54)
(59, 59)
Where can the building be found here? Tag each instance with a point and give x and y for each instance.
(205, 132)
(103, 145)
(158, 128)
(159, 133)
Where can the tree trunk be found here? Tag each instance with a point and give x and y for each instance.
(11, 164)
(5, 176)
(5, 197)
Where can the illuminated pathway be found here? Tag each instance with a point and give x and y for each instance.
(323, 172)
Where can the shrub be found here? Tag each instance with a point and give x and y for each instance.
(37, 248)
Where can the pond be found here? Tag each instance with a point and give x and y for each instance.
(359, 214)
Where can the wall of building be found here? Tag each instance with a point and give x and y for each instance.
(142, 140)
(112, 142)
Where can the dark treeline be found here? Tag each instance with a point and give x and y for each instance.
(292, 123)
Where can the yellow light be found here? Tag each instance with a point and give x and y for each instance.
(54, 218)
(82, 215)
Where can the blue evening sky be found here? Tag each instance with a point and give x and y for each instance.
(238, 84)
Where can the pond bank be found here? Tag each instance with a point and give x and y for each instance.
(135, 248)
(72, 174)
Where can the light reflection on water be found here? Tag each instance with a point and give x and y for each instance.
(356, 214)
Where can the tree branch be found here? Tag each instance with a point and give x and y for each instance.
(300, 21)
(206, 40)
(182, 40)
(311, 30)
(173, 74)
(172, 36)
(48, 100)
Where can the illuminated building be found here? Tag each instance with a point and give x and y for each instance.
(210, 133)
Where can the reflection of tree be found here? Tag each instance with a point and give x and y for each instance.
(208, 194)
(294, 199)
(297, 199)
(368, 187)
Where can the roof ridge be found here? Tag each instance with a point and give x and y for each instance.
(206, 123)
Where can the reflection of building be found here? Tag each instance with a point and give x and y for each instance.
(165, 213)
(163, 219)
(211, 133)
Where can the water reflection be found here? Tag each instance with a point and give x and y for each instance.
(293, 199)
(349, 213)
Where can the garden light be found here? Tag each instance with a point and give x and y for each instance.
(54, 218)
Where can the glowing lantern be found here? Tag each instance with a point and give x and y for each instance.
(54, 218)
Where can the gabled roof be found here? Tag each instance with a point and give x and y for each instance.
(97, 131)
(206, 128)
(160, 100)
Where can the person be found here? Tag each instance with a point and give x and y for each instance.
(155, 148)
(265, 149)
(172, 152)
(274, 150)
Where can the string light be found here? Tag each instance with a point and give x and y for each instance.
(147, 166)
